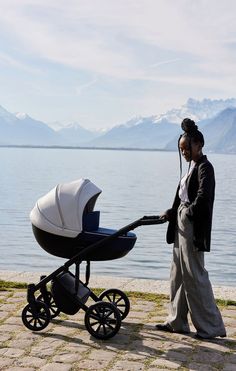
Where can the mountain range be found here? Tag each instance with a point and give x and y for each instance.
(215, 118)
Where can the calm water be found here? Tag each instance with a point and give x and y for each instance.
(134, 183)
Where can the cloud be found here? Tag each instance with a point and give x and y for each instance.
(79, 89)
(8, 60)
(97, 35)
(126, 51)
(158, 64)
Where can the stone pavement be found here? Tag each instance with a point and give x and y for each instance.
(66, 345)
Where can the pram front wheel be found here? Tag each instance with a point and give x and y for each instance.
(119, 299)
(36, 317)
(102, 320)
(50, 302)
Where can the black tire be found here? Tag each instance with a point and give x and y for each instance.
(102, 320)
(119, 299)
(36, 321)
(54, 311)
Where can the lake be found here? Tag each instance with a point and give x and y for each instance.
(133, 183)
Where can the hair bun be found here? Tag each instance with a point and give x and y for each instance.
(189, 126)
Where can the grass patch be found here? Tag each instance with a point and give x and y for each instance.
(230, 343)
(157, 298)
(225, 302)
(7, 285)
(97, 291)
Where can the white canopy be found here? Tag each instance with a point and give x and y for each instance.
(60, 211)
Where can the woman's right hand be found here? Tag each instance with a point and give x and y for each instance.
(163, 216)
(167, 215)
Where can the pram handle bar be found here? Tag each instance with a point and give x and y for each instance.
(152, 219)
(145, 220)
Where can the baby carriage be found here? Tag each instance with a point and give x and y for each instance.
(65, 225)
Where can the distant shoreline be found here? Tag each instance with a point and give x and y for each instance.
(85, 147)
(27, 146)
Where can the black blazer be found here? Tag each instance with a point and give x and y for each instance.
(201, 193)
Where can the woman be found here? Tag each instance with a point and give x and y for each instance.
(190, 220)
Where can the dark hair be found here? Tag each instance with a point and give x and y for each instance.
(191, 131)
(193, 134)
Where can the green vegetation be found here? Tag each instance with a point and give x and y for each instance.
(157, 298)
(225, 302)
(7, 285)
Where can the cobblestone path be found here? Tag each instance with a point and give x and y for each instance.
(66, 345)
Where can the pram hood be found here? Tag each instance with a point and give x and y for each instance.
(61, 210)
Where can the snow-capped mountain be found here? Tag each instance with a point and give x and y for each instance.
(197, 110)
(6, 116)
(21, 129)
(21, 115)
(142, 132)
(74, 134)
(31, 131)
(219, 132)
(135, 121)
(215, 118)
(161, 131)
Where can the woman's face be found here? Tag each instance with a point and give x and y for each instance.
(184, 146)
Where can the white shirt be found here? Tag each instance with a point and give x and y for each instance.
(183, 192)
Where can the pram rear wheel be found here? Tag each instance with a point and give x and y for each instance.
(37, 318)
(119, 299)
(102, 320)
(50, 302)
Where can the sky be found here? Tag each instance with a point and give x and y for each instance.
(102, 62)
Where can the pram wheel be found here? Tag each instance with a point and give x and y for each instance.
(102, 320)
(119, 299)
(36, 319)
(50, 302)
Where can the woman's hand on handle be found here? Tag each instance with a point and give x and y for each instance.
(167, 215)
(163, 217)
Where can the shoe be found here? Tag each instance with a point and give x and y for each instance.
(164, 327)
(197, 336)
(167, 328)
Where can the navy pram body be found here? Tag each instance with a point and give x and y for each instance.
(64, 222)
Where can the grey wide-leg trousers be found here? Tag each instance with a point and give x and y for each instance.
(190, 287)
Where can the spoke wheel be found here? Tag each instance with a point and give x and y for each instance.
(36, 320)
(50, 302)
(102, 320)
(119, 299)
